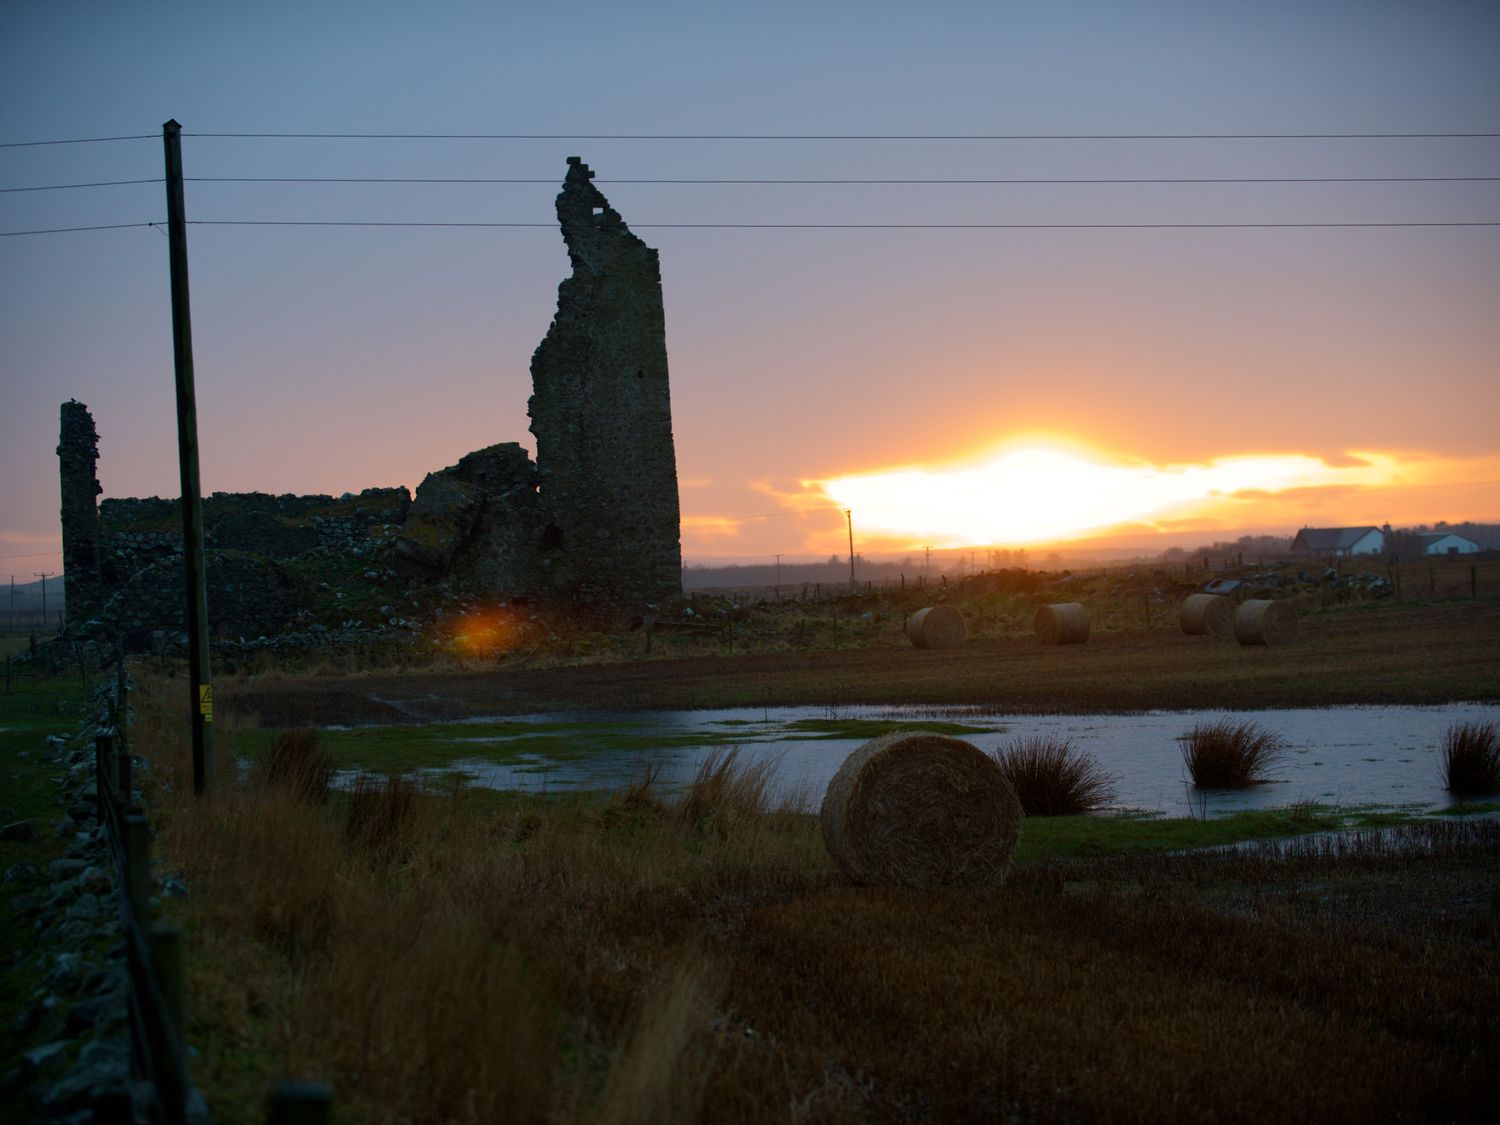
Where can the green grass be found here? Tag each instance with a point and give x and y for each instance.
(1063, 837)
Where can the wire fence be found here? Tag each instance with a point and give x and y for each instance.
(154, 947)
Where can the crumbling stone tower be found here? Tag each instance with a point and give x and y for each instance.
(602, 415)
(78, 458)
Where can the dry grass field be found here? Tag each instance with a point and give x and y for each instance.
(464, 958)
(1431, 653)
(471, 957)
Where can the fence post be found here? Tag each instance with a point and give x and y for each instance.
(138, 866)
(300, 1103)
(1473, 581)
(166, 963)
(122, 766)
(103, 749)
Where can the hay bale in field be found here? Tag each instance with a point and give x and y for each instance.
(1206, 615)
(937, 626)
(1066, 623)
(921, 810)
(1261, 621)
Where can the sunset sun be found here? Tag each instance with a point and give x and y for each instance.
(1034, 493)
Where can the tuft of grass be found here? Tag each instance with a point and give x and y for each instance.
(1053, 778)
(1230, 754)
(296, 762)
(380, 812)
(1471, 759)
(726, 792)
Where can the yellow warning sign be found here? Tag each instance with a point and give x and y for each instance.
(206, 702)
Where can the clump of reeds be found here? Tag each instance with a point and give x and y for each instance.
(1230, 754)
(726, 791)
(380, 811)
(295, 762)
(1053, 778)
(1471, 759)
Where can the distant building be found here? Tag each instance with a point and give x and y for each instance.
(1339, 541)
(1446, 543)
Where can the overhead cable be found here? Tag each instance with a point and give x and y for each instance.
(840, 136)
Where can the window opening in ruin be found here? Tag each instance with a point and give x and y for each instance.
(552, 538)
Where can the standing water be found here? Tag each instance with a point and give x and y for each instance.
(1348, 756)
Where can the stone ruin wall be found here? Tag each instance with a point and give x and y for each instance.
(593, 525)
(77, 461)
(601, 412)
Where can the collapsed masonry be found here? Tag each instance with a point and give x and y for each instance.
(594, 524)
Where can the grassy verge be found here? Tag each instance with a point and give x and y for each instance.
(470, 957)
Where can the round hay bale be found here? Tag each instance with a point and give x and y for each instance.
(1066, 623)
(1206, 615)
(914, 809)
(1265, 622)
(937, 626)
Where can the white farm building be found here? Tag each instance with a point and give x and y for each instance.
(1338, 542)
(1446, 543)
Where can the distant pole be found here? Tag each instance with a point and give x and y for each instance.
(200, 679)
(927, 562)
(849, 519)
(44, 578)
(778, 573)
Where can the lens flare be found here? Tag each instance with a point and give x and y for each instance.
(486, 632)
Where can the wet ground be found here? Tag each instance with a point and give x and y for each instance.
(1345, 756)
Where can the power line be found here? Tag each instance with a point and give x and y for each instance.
(70, 230)
(836, 226)
(602, 180)
(420, 224)
(65, 187)
(81, 141)
(772, 181)
(841, 136)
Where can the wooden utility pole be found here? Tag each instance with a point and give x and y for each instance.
(200, 680)
(44, 577)
(778, 574)
(849, 519)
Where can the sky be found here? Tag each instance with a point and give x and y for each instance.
(1078, 374)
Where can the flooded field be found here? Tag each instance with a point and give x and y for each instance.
(1383, 756)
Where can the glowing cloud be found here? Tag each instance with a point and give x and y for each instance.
(1034, 495)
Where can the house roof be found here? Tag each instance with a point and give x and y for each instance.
(1430, 537)
(1330, 538)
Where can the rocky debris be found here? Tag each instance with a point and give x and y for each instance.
(480, 516)
(77, 459)
(441, 521)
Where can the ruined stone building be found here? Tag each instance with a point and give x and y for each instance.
(77, 461)
(593, 524)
